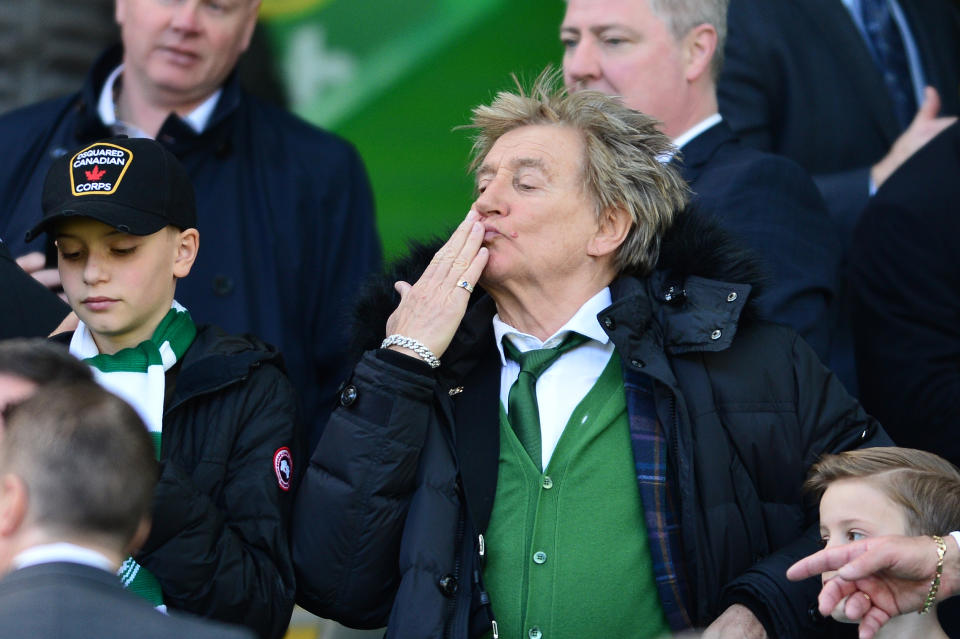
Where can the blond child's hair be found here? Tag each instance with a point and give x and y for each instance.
(925, 485)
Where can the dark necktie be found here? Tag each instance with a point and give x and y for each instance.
(524, 415)
(886, 46)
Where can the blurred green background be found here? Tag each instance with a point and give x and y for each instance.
(395, 78)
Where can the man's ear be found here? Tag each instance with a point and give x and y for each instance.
(612, 231)
(249, 26)
(13, 504)
(139, 537)
(699, 46)
(187, 245)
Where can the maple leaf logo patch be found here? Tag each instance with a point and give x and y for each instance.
(95, 174)
(99, 169)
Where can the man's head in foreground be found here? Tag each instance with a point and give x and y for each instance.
(123, 214)
(76, 465)
(661, 56)
(27, 364)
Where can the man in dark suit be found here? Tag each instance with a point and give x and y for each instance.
(77, 472)
(805, 79)
(907, 300)
(663, 59)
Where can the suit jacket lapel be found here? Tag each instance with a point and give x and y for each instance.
(842, 37)
(698, 152)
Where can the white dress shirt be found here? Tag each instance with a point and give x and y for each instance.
(63, 551)
(564, 385)
(198, 119)
(681, 140)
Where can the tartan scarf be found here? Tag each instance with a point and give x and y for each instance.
(660, 501)
(138, 375)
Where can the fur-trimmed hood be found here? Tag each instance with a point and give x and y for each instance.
(694, 246)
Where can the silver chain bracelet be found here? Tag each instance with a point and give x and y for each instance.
(408, 342)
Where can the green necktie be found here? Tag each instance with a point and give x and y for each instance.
(524, 416)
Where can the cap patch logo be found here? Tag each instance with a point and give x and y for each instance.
(283, 467)
(98, 169)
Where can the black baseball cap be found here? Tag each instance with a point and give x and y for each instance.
(134, 185)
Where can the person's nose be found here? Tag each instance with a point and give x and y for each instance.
(94, 270)
(493, 199)
(185, 17)
(581, 64)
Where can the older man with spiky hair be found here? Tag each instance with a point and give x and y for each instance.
(572, 424)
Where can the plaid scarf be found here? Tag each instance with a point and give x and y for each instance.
(660, 507)
(138, 375)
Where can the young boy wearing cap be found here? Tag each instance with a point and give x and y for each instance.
(220, 407)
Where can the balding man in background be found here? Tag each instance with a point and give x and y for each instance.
(663, 58)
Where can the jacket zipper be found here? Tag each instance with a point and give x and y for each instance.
(453, 613)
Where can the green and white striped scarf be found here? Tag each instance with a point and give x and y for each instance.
(137, 375)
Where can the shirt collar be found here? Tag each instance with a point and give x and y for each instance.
(62, 551)
(696, 130)
(198, 119)
(584, 321)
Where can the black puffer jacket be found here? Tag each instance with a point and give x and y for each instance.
(219, 542)
(388, 522)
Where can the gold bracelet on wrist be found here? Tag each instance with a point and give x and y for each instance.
(935, 584)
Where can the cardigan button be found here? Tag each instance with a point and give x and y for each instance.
(539, 557)
(547, 482)
(448, 585)
(348, 395)
(535, 633)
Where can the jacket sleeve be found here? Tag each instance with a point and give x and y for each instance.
(350, 509)
(27, 308)
(228, 558)
(830, 421)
